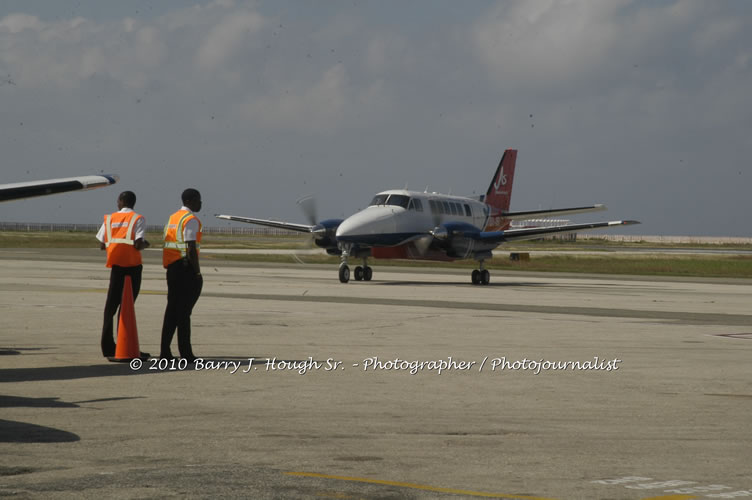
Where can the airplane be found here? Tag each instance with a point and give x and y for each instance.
(20, 190)
(402, 224)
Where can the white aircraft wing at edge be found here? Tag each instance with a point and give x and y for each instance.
(20, 190)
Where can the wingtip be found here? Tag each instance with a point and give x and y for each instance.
(631, 222)
(112, 178)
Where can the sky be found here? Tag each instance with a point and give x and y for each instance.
(645, 106)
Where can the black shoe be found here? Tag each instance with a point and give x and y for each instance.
(143, 355)
(168, 357)
(191, 359)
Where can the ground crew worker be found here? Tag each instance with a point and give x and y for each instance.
(182, 240)
(122, 235)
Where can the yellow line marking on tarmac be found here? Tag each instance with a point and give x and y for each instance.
(416, 486)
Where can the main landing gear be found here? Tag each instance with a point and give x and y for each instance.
(364, 273)
(481, 276)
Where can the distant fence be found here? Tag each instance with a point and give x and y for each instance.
(93, 228)
(707, 240)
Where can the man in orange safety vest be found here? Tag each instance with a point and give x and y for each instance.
(123, 236)
(182, 241)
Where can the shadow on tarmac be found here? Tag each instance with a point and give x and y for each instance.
(68, 372)
(150, 366)
(504, 284)
(21, 432)
(21, 402)
(6, 351)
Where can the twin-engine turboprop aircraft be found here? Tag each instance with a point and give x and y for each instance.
(30, 189)
(401, 224)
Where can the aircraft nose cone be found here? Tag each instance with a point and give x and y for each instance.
(348, 227)
(367, 225)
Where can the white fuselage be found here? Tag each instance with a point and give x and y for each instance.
(398, 216)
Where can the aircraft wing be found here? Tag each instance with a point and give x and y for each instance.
(30, 189)
(531, 233)
(301, 228)
(537, 214)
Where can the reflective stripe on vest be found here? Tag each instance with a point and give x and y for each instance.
(120, 239)
(127, 241)
(175, 247)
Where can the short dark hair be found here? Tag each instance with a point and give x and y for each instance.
(128, 198)
(190, 194)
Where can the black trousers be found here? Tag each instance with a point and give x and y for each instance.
(183, 290)
(114, 296)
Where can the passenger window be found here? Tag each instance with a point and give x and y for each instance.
(432, 206)
(467, 210)
(447, 210)
(453, 208)
(418, 205)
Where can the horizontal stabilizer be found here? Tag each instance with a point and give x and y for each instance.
(538, 214)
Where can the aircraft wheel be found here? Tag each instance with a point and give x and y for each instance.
(367, 273)
(344, 273)
(475, 277)
(358, 273)
(485, 277)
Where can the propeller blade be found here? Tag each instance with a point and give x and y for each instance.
(423, 243)
(308, 205)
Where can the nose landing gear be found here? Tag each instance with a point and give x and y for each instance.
(344, 273)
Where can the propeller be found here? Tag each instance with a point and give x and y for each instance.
(423, 243)
(308, 205)
(322, 232)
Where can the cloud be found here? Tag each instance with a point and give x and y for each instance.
(63, 54)
(581, 46)
(321, 107)
(227, 37)
(15, 23)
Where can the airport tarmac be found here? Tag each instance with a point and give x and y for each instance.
(551, 386)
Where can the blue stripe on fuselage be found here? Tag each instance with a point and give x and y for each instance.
(378, 240)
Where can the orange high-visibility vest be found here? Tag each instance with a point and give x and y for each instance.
(119, 239)
(175, 247)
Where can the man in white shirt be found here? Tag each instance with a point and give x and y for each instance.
(123, 236)
(182, 240)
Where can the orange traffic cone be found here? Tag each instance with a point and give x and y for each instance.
(127, 333)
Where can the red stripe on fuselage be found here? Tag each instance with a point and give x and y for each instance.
(408, 251)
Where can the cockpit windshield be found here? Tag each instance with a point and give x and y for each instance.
(379, 199)
(398, 200)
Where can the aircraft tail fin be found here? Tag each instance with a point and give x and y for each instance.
(499, 194)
